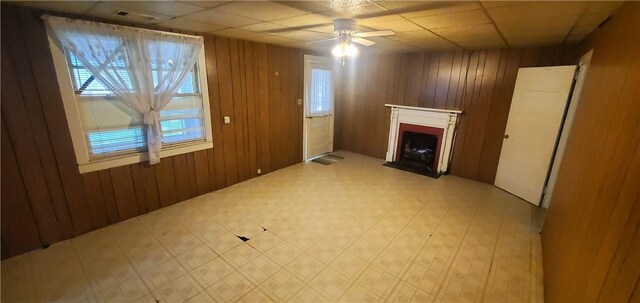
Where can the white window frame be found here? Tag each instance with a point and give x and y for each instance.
(85, 163)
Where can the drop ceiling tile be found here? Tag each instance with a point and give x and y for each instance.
(413, 35)
(604, 6)
(168, 8)
(433, 44)
(565, 22)
(185, 24)
(271, 39)
(363, 9)
(489, 37)
(403, 5)
(107, 11)
(530, 10)
(74, 7)
(261, 10)
(457, 31)
(379, 19)
(218, 17)
(537, 34)
(236, 33)
(304, 20)
(326, 29)
(207, 4)
(475, 17)
(262, 27)
(308, 6)
(486, 44)
(446, 7)
(491, 4)
(396, 26)
(305, 36)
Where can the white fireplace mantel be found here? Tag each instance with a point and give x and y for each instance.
(432, 117)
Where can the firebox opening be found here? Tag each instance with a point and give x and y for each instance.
(418, 150)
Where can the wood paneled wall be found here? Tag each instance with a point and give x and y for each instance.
(44, 197)
(591, 237)
(480, 83)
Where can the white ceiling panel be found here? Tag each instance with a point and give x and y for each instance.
(418, 24)
(475, 17)
(537, 9)
(185, 24)
(260, 10)
(217, 17)
(167, 8)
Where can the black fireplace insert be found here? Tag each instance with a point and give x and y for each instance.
(418, 150)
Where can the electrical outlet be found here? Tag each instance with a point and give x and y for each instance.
(299, 101)
(259, 171)
(227, 119)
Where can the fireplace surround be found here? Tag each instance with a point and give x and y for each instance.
(440, 123)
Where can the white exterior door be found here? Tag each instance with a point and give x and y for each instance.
(318, 106)
(537, 108)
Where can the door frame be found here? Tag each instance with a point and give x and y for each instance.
(565, 129)
(308, 62)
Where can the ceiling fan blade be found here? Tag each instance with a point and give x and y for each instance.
(419, 6)
(382, 33)
(362, 41)
(296, 28)
(320, 41)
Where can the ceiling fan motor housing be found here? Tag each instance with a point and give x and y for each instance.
(344, 26)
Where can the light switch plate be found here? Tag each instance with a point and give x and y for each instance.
(227, 119)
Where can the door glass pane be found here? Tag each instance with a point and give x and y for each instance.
(320, 93)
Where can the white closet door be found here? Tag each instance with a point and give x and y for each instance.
(537, 107)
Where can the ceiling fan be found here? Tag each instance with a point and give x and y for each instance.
(346, 30)
(347, 35)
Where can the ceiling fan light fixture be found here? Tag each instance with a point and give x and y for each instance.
(345, 50)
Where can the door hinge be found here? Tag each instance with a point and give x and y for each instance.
(576, 74)
(544, 190)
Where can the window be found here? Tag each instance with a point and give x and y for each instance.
(112, 127)
(321, 93)
(107, 132)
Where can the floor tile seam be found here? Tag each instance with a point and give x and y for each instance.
(493, 251)
(140, 273)
(370, 262)
(415, 257)
(476, 213)
(388, 244)
(449, 265)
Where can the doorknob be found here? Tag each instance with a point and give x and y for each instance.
(506, 136)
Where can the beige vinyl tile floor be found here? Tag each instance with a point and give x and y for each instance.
(353, 231)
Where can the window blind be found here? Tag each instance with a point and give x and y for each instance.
(111, 127)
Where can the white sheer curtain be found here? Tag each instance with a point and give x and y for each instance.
(142, 68)
(320, 93)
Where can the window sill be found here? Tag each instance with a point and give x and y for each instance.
(101, 164)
